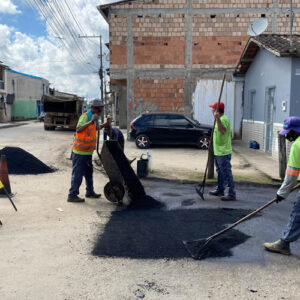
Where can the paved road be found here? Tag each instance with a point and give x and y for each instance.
(46, 247)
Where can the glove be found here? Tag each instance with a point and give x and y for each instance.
(278, 198)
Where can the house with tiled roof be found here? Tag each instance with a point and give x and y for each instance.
(270, 68)
(170, 55)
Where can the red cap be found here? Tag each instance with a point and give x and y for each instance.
(215, 105)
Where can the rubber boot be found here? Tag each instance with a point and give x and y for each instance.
(279, 246)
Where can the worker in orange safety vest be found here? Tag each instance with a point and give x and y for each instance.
(84, 144)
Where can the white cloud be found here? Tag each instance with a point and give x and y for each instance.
(7, 6)
(70, 71)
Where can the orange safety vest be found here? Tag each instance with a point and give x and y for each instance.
(86, 139)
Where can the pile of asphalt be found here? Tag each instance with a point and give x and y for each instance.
(154, 233)
(20, 162)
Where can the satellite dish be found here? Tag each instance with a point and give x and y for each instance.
(258, 27)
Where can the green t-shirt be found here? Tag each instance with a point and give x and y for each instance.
(294, 159)
(83, 120)
(222, 142)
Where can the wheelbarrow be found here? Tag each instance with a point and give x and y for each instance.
(122, 178)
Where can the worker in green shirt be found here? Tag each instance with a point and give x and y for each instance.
(291, 130)
(222, 153)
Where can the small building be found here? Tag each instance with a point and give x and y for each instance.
(4, 109)
(270, 69)
(24, 93)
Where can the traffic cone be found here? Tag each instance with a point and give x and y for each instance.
(4, 175)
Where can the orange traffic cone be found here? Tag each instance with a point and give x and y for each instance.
(4, 175)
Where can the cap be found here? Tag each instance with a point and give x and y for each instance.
(215, 105)
(291, 123)
(97, 103)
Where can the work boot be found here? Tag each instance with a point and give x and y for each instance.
(92, 195)
(279, 246)
(228, 198)
(216, 193)
(75, 199)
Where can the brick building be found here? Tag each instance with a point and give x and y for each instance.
(160, 49)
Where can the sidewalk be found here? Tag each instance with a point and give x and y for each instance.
(13, 124)
(260, 160)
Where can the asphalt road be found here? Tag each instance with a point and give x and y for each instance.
(47, 246)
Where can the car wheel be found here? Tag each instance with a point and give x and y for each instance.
(203, 143)
(142, 141)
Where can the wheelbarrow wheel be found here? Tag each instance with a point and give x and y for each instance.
(114, 192)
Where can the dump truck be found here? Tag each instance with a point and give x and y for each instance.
(61, 111)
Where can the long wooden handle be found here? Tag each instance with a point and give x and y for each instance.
(212, 132)
(250, 215)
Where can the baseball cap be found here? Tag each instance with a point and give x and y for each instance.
(215, 105)
(290, 123)
(97, 103)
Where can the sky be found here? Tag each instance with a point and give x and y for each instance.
(44, 42)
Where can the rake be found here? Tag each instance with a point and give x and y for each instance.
(202, 245)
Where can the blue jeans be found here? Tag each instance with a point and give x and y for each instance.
(292, 232)
(223, 167)
(82, 167)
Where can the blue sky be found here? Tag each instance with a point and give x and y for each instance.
(27, 21)
(28, 43)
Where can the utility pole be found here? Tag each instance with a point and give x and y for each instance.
(101, 62)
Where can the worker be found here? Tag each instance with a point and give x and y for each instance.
(291, 130)
(113, 133)
(222, 153)
(83, 147)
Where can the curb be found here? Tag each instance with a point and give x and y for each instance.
(12, 125)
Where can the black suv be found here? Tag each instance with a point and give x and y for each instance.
(168, 128)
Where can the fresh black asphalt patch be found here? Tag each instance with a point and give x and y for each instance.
(148, 232)
(20, 162)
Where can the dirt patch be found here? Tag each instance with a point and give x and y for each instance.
(20, 162)
(155, 234)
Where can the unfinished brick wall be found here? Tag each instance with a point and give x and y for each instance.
(286, 4)
(182, 37)
(117, 44)
(159, 40)
(232, 4)
(154, 4)
(284, 23)
(165, 94)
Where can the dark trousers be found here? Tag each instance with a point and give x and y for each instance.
(292, 232)
(82, 167)
(223, 167)
(121, 143)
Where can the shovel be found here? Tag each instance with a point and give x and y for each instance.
(200, 187)
(198, 248)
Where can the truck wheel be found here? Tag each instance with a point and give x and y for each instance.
(52, 127)
(46, 127)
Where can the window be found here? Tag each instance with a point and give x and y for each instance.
(147, 120)
(252, 96)
(178, 121)
(161, 120)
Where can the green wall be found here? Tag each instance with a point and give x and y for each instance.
(24, 110)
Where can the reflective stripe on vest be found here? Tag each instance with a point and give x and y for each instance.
(86, 140)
